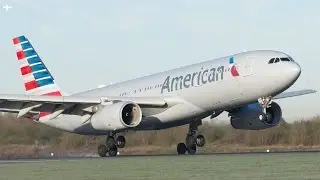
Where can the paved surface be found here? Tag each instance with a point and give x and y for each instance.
(35, 160)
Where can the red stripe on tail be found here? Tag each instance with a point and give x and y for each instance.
(43, 114)
(26, 70)
(56, 93)
(21, 55)
(31, 85)
(16, 41)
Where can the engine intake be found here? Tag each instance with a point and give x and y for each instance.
(252, 117)
(116, 116)
(131, 115)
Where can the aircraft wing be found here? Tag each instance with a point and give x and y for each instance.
(294, 93)
(23, 104)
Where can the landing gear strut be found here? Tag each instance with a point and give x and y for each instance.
(111, 146)
(264, 101)
(192, 140)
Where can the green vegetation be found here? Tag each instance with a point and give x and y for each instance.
(21, 137)
(250, 167)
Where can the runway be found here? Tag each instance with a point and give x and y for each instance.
(287, 165)
(62, 158)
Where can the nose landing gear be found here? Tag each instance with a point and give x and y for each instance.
(265, 101)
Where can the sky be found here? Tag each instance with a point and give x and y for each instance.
(85, 44)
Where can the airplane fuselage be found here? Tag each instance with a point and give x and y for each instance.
(202, 88)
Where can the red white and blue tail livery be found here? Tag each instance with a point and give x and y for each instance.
(36, 77)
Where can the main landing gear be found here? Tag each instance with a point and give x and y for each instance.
(111, 146)
(192, 140)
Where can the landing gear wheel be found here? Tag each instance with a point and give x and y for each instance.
(121, 141)
(200, 141)
(102, 150)
(181, 148)
(190, 140)
(113, 151)
(192, 149)
(268, 116)
(110, 141)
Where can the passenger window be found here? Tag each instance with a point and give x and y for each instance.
(271, 61)
(276, 60)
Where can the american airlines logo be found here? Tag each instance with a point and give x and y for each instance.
(233, 68)
(198, 78)
(195, 79)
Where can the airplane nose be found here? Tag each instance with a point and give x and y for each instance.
(296, 69)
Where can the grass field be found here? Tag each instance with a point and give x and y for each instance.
(251, 166)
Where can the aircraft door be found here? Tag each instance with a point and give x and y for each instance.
(247, 69)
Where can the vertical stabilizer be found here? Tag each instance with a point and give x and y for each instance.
(36, 77)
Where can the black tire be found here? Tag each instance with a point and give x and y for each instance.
(190, 140)
(121, 141)
(192, 149)
(200, 141)
(102, 150)
(110, 142)
(113, 151)
(181, 148)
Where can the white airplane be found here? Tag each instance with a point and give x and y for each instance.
(243, 84)
(6, 7)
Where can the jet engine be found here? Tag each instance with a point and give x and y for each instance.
(119, 115)
(253, 117)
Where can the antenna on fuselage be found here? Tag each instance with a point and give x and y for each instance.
(101, 86)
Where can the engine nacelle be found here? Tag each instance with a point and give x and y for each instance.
(252, 117)
(117, 116)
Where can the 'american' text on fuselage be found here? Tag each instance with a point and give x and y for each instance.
(192, 79)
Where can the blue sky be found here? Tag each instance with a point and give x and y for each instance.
(85, 44)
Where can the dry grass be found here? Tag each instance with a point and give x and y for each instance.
(23, 137)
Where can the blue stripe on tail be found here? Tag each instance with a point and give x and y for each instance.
(38, 67)
(45, 82)
(33, 60)
(30, 52)
(26, 46)
(41, 74)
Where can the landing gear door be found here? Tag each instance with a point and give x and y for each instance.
(248, 64)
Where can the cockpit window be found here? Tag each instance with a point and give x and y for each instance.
(271, 61)
(284, 59)
(275, 60)
(291, 59)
